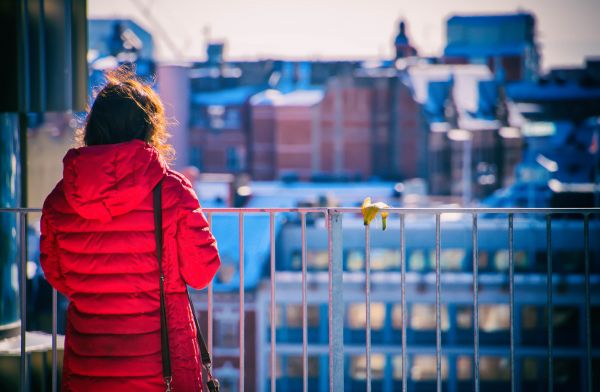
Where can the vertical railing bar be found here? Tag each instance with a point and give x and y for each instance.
(210, 300)
(368, 304)
(438, 329)
(511, 278)
(404, 309)
(23, 299)
(588, 325)
(54, 342)
(335, 301)
(242, 314)
(476, 301)
(549, 305)
(304, 307)
(273, 327)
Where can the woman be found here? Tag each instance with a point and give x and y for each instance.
(98, 248)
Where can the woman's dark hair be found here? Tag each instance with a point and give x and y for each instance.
(126, 109)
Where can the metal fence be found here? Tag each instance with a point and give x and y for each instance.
(333, 217)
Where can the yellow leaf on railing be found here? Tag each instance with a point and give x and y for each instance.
(370, 210)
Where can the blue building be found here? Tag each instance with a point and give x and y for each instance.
(506, 43)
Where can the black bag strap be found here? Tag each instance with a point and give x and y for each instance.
(212, 383)
(164, 330)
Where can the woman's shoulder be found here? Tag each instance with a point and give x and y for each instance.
(177, 184)
(55, 203)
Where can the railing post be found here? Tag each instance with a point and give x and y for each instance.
(511, 290)
(242, 339)
(24, 376)
(475, 302)
(273, 326)
(549, 305)
(368, 305)
(210, 310)
(438, 306)
(404, 308)
(54, 342)
(304, 308)
(336, 302)
(588, 322)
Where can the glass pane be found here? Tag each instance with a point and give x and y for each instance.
(494, 368)
(464, 368)
(464, 317)
(358, 367)
(382, 259)
(294, 366)
(424, 368)
(355, 260)
(357, 316)
(397, 317)
(397, 367)
(529, 317)
(494, 318)
(294, 315)
(422, 317)
(416, 260)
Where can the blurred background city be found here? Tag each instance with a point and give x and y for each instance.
(283, 104)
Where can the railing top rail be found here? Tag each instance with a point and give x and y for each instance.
(20, 209)
(475, 210)
(394, 210)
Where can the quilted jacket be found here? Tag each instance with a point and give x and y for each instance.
(98, 249)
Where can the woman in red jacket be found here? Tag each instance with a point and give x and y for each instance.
(98, 248)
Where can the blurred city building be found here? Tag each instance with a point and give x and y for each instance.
(505, 43)
(477, 123)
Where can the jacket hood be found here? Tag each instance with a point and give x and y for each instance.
(104, 181)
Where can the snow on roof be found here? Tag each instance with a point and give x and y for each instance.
(304, 97)
(465, 80)
(233, 96)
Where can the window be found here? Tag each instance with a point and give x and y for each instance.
(226, 273)
(381, 259)
(424, 368)
(397, 316)
(220, 117)
(451, 259)
(530, 317)
(315, 260)
(417, 260)
(385, 259)
(464, 317)
(422, 317)
(530, 369)
(293, 315)
(501, 260)
(355, 261)
(494, 368)
(484, 261)
(358, 367)
(397, 367)
(494, 318)
(464, 368)
(294, 366)
(215, 116)
(196, 157)
(357, 317)
(278, 366)
(235, 158)
(226, 330)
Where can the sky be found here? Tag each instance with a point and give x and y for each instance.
(567, 30)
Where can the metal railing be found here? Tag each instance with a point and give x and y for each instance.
(333, 217)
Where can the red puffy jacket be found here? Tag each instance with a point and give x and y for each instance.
(98, 248)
